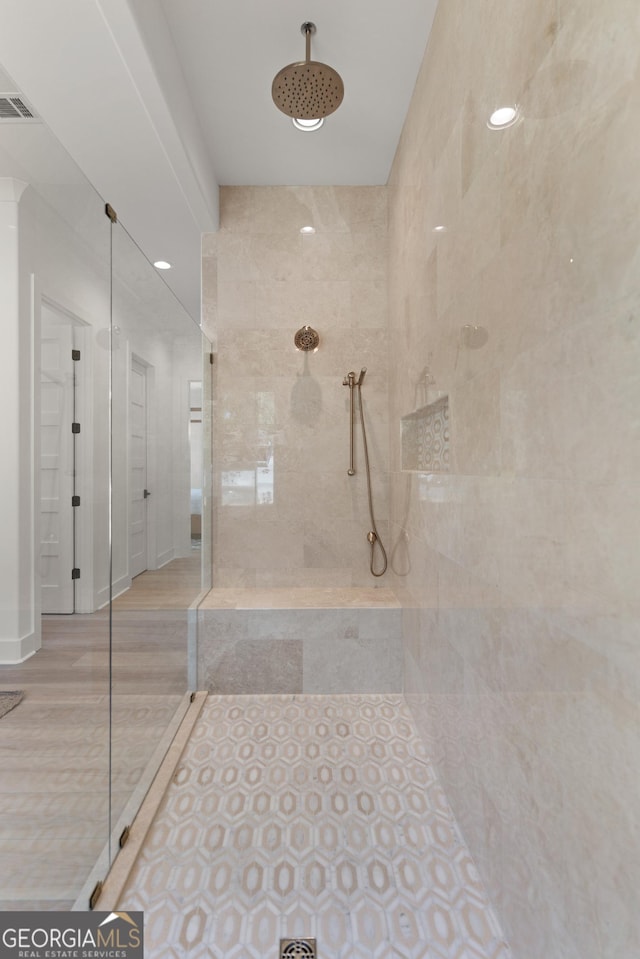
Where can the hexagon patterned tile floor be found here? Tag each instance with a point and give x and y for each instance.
(309, 816)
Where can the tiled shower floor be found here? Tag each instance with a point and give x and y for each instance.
(295, 816)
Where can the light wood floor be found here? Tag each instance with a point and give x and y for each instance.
(55, 745)
(174, 586)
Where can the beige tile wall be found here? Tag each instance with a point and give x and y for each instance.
(263, 280)
(519, 568)
(298, 649)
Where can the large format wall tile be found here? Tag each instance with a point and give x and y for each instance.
(282, 502)
(518, 568)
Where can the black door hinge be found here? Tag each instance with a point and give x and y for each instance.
(75, 501)
(95, 895)
(75, 427)
(75, 354)
(75, 573)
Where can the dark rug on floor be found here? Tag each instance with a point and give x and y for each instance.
(9, 700)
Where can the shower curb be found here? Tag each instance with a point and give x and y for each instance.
(123, 864)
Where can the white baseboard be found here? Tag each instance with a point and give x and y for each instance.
(120, 586)
(163, 558)
(15, 651)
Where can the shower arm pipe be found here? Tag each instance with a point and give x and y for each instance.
(307, 36)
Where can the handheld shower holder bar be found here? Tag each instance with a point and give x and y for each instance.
(372, 536)
(351, 382)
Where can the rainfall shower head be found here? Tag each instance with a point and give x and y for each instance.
(307, 90)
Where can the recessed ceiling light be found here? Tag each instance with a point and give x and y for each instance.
(440, 229)
(162, 265)
(307, 230)
(308, 126)
(502, 117)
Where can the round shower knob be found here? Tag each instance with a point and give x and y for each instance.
(306, 339)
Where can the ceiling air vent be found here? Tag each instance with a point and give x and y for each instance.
(14, 107)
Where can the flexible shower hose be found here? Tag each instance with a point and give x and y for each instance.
(372, 536)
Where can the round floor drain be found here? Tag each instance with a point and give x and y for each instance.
(297, 949)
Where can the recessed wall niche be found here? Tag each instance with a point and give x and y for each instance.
(426, 438)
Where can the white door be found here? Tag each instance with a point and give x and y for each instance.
(138, 468)
(56, 464)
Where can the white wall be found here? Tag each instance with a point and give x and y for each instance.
(171, 352)
(56, 240)
(43, 256)
(73, 272)
(19, 632)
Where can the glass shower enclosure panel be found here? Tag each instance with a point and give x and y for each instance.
(55, 278)
(158, 495)
(104, 511)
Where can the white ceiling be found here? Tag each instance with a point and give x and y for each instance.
(230, 52)
(159, 101)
